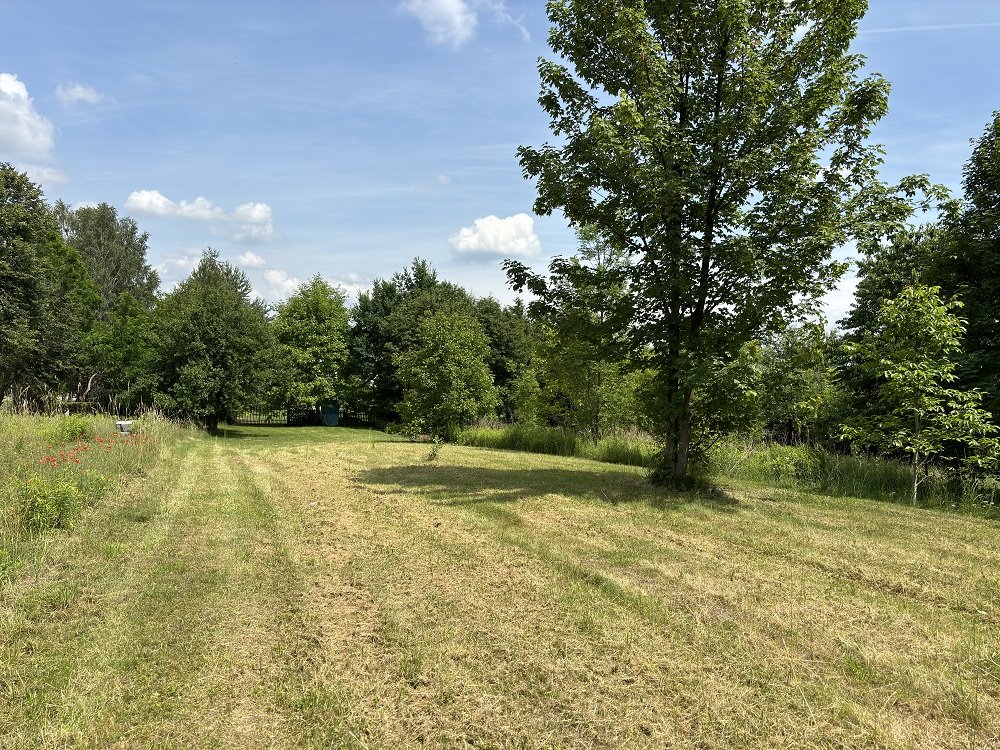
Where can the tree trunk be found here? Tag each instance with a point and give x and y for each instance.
(673, 462)
(916, 470)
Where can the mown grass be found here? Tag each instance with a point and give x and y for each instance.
(331, 588)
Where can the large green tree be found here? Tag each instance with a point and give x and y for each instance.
(26, 228)
(724, 145)
(211, 337)
(47, 298)
(446, 381)
(969, 266)
(384, 326)
(113, 249)
(311, 333)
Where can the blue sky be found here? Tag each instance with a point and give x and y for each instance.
(347, 137)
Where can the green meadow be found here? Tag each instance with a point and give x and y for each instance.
(310, 587)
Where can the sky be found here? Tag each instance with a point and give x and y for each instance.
(347, 137)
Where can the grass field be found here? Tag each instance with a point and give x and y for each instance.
(283, 587)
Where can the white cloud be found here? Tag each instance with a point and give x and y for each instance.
(249, 222)
(930, 27)
(251, 260)
(254, 222)
(503, 16)
(155, 203)
(177, 265)
(491, 235)
(44, 175)
(200, 209)
(454, 22)
(352, 283)
(280, 283)
(77, 93)
(451, 22)
(151, 202)
(23, 132)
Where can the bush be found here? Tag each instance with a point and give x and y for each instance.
(73, 427)
(49, 504)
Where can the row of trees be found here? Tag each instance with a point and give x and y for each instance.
(711, 155)
(84, 319)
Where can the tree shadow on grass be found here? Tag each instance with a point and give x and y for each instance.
(238, 433)
(458, 486)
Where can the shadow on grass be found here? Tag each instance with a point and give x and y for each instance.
(459, 486)
(244, 433)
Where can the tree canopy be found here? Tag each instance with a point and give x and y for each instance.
(723, 146)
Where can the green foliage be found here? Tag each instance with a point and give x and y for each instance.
(511, 335)
(447, 383)
(583, 312)
(73, 427)
(121, 350)
(26, 227)
(212, 338)
(911, 353)
(49, 504)
(800, 400)
(113, 250)
(969, 266)
(726, 400)
(385, 323)
(47, 299)
(311, 333)
(817, 469)
(724, 148)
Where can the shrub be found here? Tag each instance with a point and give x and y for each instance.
(49, 504)
(73, 427)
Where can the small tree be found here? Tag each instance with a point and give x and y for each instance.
(911, 353)
(445, 378)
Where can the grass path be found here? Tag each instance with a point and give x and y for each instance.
(318, 588)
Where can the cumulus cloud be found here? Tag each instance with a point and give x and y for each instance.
(23, 132)
(155, 203)
(490, 235)
(253, 222)
(250, 259)
(250, 222)
(77, 93)
(177, 265)
(449, 22)
(280, 283)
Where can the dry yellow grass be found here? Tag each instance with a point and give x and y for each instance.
(311, 588)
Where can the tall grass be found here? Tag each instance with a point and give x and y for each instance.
(51, 468)
(624, 448)
(792, 467)
(807, 467)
